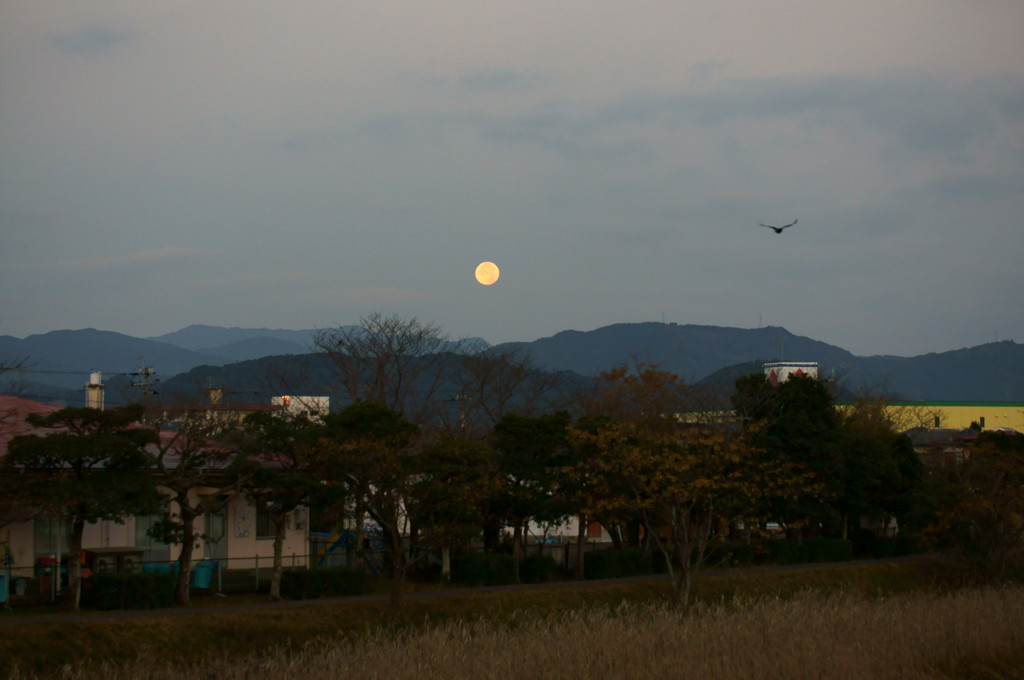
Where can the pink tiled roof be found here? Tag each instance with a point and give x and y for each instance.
(13, 411)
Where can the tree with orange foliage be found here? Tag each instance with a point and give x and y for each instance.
(680, 478)
(982, 518)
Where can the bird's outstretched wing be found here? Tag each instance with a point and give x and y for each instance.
(778, 230)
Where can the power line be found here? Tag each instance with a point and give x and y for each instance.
(55, 371)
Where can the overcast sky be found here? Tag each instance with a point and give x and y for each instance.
(302, 164)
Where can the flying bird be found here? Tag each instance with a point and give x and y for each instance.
(778, 230)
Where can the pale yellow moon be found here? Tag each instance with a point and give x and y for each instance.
(487, 273)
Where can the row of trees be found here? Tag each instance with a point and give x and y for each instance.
(639, 452)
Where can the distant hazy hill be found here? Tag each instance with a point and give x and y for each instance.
(65, 358)
(713, 354)
(690, 351)
(208, 338)
(247, 359)
(990, 372)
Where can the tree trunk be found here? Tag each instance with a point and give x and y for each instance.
(398, 567)
(188, 542)
(681, 590)
(360, 533)
(615, 531)
(581, 541)
(73, 596)
(446, 564)
(280, 525)
(517, 541)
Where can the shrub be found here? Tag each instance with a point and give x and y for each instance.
(110, 590)
(866, 544)
(787, 551)
(617, 563)
(905, 545)
(793, 551)
(730, 554)
(483, 569)
(538, 569)
(659, 562)
(307, 584)
(828, 549)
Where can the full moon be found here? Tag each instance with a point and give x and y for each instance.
(487, 273)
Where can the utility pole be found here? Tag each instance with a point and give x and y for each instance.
(143, 376)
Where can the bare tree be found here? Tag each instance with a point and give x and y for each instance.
(402, 364)
(493, 383)
(13, 386)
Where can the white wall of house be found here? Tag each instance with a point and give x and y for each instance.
(250, 536)
(242, 543)
(566, 532)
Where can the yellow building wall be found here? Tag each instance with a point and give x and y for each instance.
(960, 415)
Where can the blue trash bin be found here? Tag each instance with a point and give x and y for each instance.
(202, 575)
(3, 588)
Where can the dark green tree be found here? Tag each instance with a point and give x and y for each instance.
(796, 426)
(529, 451)
(286, 474)
(199, 470)
(86, 465)
(452, 480)
(883, 474)
(372, 450)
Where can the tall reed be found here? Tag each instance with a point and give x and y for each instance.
(966, 634)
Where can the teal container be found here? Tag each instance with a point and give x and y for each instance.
(3, 588)
(202, 575)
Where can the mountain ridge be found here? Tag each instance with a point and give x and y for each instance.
(989, 372)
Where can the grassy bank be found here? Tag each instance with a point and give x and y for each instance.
(274, 638)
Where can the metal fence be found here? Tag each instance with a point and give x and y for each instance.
(246, 574)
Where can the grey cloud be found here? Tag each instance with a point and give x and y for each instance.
(969, 188)
(481, 82)
(925, 113)
(707, 71)
(500, 79)
(89, 40)
(919, 114)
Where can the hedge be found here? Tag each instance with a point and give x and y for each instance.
(730, 554)
(112, 590)
(488, 569)
(866, 544)
(538, 569)
(308, 584)
(792, 551)
(613, 563)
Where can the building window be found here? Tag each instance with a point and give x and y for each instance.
(50, 536)
(142, 525)
(981, 422)
(264, 527)
(937, 421)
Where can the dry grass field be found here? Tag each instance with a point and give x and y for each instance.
(967, 634)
